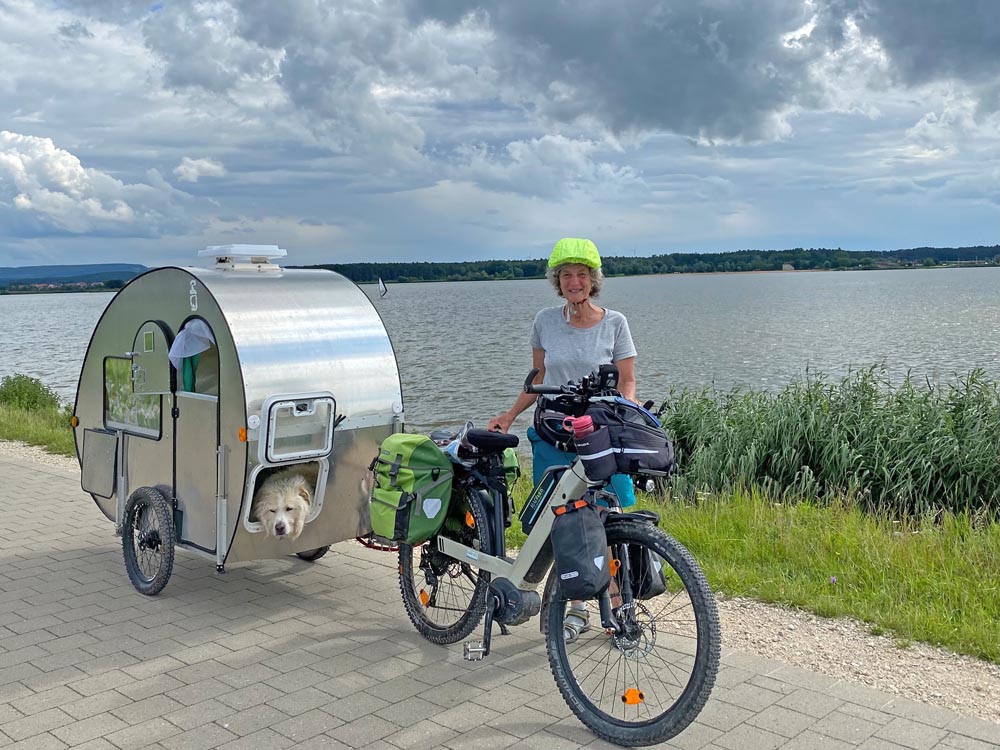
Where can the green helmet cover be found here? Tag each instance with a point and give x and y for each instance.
(574, 250)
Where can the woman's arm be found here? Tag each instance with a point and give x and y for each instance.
(626, 377)
(524, 400)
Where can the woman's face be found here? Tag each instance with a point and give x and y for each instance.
(574, 282)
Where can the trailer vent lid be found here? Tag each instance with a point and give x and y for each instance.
(257, 257)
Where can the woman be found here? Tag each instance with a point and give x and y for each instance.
(569, 342)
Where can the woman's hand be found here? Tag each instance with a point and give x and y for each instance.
(501, 423)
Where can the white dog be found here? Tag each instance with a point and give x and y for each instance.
(281, 503)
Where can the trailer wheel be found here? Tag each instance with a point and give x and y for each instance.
(312, 555)
(148, 540)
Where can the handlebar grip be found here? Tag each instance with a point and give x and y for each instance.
(530, 387)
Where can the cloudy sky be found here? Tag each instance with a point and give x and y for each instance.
(347, 130)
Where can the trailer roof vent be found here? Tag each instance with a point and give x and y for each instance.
(255, 257)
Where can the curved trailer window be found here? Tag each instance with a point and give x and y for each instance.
(138, 414)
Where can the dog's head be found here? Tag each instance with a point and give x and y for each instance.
(282, 506)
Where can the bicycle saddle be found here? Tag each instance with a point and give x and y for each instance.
(490, 442)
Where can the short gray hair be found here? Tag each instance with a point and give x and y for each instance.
(596, 279)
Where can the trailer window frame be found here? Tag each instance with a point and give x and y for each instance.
(109, 419)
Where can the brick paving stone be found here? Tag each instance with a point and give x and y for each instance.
(301, 701)
(265, 739)
(29, 726)
(157, 685)
(360, 732)
(465, 718)
(981, 729)
(810, 702)
(962, 742)
(409, 711)
(307, 725)
(39, 742)
(202, 738)
(481, 738)
(812, 741)
(355, 706)
(749, 696)
(780, 720)
(88, 729)
(522, 721)
(146, 709)
(38, 702)
(84, 708)
(249, 696)
(911, 734)
(139, 735)
(251, 720)
(925, 714)
(424, 735)
(198, 714)
(745, 736)
(843, 726)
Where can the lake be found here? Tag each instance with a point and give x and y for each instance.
(463, 350)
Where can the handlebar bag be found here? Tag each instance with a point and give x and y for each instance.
(637, 439)
(580, 550)
(412, 488)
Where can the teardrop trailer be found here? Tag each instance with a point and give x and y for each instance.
(199, 383)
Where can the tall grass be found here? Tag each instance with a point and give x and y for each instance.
(905, 449)
(30, 413)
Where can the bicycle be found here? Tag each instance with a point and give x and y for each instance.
(647, 671)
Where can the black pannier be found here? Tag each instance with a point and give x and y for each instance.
(580, 549)
(637, 440)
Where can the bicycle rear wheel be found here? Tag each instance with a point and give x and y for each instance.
(646, 685)
(445, 598)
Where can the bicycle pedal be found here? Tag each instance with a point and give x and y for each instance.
(474, 651)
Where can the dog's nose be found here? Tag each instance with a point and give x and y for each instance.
(279, 529)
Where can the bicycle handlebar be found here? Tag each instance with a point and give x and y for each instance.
(602, 382)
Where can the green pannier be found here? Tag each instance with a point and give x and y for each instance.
(412, 488)
(511, 468)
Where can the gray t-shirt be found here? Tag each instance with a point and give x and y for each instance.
(572, 353)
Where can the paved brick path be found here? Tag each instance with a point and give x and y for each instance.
(287, 654)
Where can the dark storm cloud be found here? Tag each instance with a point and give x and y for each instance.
(75, 30)
(723, 69)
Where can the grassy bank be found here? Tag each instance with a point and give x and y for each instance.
(30, 412)
(923, 579)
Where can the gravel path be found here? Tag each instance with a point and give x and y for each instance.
(840, 648)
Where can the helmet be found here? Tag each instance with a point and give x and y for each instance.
(573, 250)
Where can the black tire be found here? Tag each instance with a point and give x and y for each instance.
(148, 540)
(645, 688)
(312, 555)
(445, 598)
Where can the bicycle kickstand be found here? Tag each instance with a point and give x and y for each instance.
(474, 651)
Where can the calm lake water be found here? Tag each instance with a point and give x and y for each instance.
(463, 347)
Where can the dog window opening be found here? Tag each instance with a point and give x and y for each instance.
(260, 475)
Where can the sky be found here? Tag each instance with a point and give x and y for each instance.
(446, 130)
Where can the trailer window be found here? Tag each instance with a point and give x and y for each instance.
(124, 410)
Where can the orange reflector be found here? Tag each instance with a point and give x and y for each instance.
(424, 598)
(633, 697)
(74, 421)
(615, 565)
(469, 520)
(243, 434)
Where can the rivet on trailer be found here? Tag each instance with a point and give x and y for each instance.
(200, 382)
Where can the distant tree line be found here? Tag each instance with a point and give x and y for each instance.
(798, 258)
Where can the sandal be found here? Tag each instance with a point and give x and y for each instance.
(577, 621)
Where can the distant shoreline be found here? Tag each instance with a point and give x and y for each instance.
(939, 266)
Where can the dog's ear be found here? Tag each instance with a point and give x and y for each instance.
(304, 492)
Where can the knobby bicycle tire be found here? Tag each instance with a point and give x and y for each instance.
(445, 598)
(648, 686)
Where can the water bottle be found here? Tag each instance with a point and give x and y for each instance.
(579, 426)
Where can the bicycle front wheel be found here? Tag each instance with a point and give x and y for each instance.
(445, 598)
(648, 683)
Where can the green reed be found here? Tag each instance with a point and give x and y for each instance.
(908, 449)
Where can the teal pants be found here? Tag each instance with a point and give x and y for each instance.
(544, 455)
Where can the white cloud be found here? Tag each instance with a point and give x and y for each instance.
(190, 170)
(51, 185)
